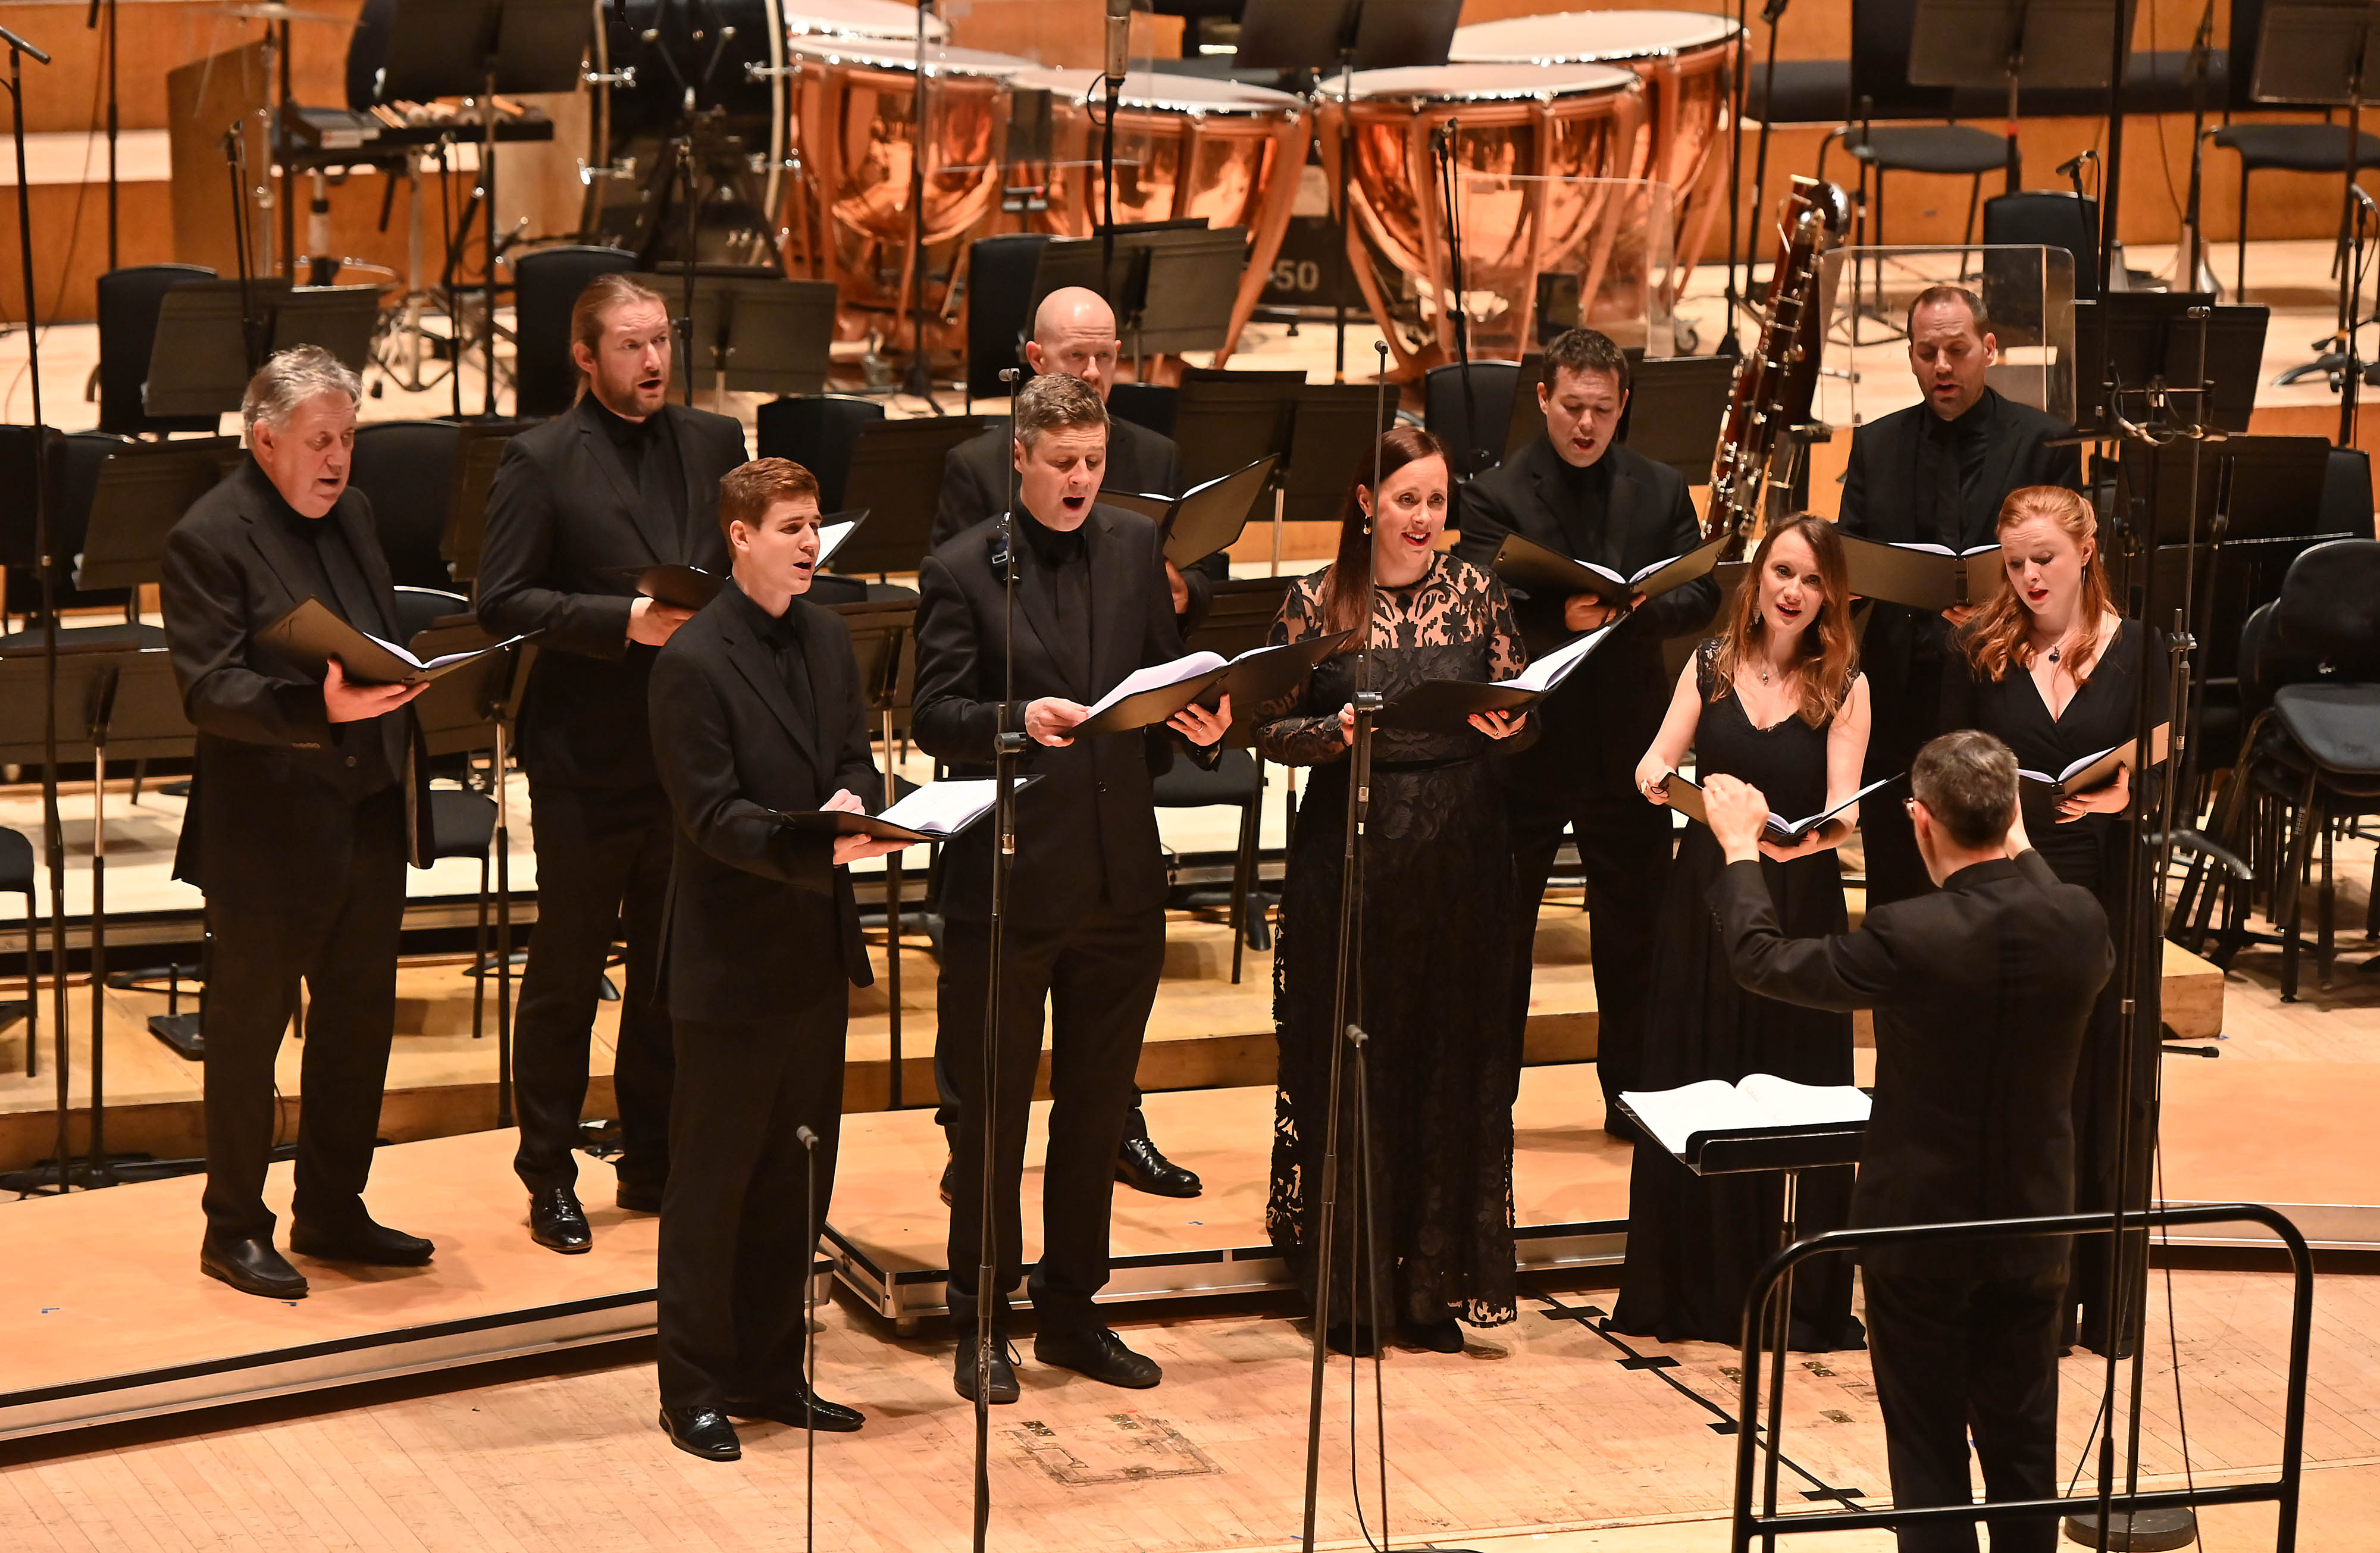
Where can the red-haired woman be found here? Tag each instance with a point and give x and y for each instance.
(1433, 974)
(2052, 670)
(1776, 699)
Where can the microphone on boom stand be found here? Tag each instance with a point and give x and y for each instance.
(1118, 61)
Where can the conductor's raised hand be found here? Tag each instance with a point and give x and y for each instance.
(1050, 719)
(1498, 724)
(1738, 813)
(1200, 726)
(346, 701)
(653, 623)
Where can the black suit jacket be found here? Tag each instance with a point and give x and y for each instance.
(1087, 826)
(1903, 648)
(562, 515)
(758, 916)
(1598, 725)
(1982, 991)
(272, 794)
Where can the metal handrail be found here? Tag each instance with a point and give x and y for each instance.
(1768, 1525)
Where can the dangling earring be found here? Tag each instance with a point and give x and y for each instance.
(1756, 617)
(1368, 519)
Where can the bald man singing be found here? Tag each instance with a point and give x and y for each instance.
(1075, 334)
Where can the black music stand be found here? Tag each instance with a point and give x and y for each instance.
(885, 649)
(1676, 406)
(2326, 53)
(896, 474)
(114, 700)
(1789, 1152)
(2012, 43)
(203, 355)
(476, 49)
(341, 318)
(761, 334)
(1330, 438)
(142, 491)
(2148, 339)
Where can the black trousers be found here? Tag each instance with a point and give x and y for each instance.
(1624, 844)
(1098, 976)
(345, 947)
(732, 1264)
(1953, 1354)
(1904, 711)
(603, 862)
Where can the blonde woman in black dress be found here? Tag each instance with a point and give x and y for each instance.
(2051, 669)
(1776, 699)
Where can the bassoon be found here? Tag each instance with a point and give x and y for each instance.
(1774, 385)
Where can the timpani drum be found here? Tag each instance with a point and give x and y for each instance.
(847, 213)
(1540, 122)
(893, 20)
(1186, 147)
(1682, 57)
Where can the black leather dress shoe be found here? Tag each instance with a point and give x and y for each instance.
(702, 1431)
(252, 1267)
(796, 1409)
(1141, 1168)
(364, 1240)
(1001, 1371)
(951, 1162)
(639, 1199)
(1098, 1352)
(558, 1223)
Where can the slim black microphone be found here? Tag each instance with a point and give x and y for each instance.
(1119, 54)
(2073, 165)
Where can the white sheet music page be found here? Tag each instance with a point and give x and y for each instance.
(1157, 676)
(941, 808)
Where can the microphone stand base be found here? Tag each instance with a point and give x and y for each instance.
(2135, 1530)
(180, 1031)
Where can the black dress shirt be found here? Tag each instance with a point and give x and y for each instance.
(649, 456)
(328, 568)
(1951, 464)
(1063, 562)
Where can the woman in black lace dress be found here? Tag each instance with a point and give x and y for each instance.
(2053, 671)
(1778, 700)
(1432, 967)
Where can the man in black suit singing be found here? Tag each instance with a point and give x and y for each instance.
(625, 479)
(1934, 473)
(1085, 918)
(1981, 991)
(306, 804)
(1075, 332)
(1575, 490)
(756, 714)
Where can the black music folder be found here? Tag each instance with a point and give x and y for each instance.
(935, 812)
(1530, 566)
(1446, 706)
(1686, 797)
(1152, 694)
(690, 587)
(311, 635)
(2095, 771)
(1205, 518)
(1924, 577)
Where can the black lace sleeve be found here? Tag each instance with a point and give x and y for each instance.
(1294, 731)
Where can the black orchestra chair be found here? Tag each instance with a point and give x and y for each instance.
(16, 877)
(546, 284)
(1148, 404)
(2278, 148)
(2310, 682)
(1237, 782)
(1473, 426)
(818, 431)
(1001, 273)
(128, 301)
(407, 469)
(2048, 218)
(459, 715)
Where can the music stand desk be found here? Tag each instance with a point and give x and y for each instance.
(142, 491)
(896, 474)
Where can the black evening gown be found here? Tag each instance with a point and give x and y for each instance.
(1436, 887)
(2088, 852)
(1694, 1241)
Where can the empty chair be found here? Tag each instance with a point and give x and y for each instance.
(1146, 404)
(817, 431)
(407, 469)
(2283, 148)
(417, 609)
(2051, 219)
(1472, 429)
(1236, 781)
(999, 308)
(546, 284)
(128, 301)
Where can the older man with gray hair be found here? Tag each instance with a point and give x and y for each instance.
(303, 816)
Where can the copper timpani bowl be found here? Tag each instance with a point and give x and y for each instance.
(1186, 149)
(1682, 57)
(1540, 122)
